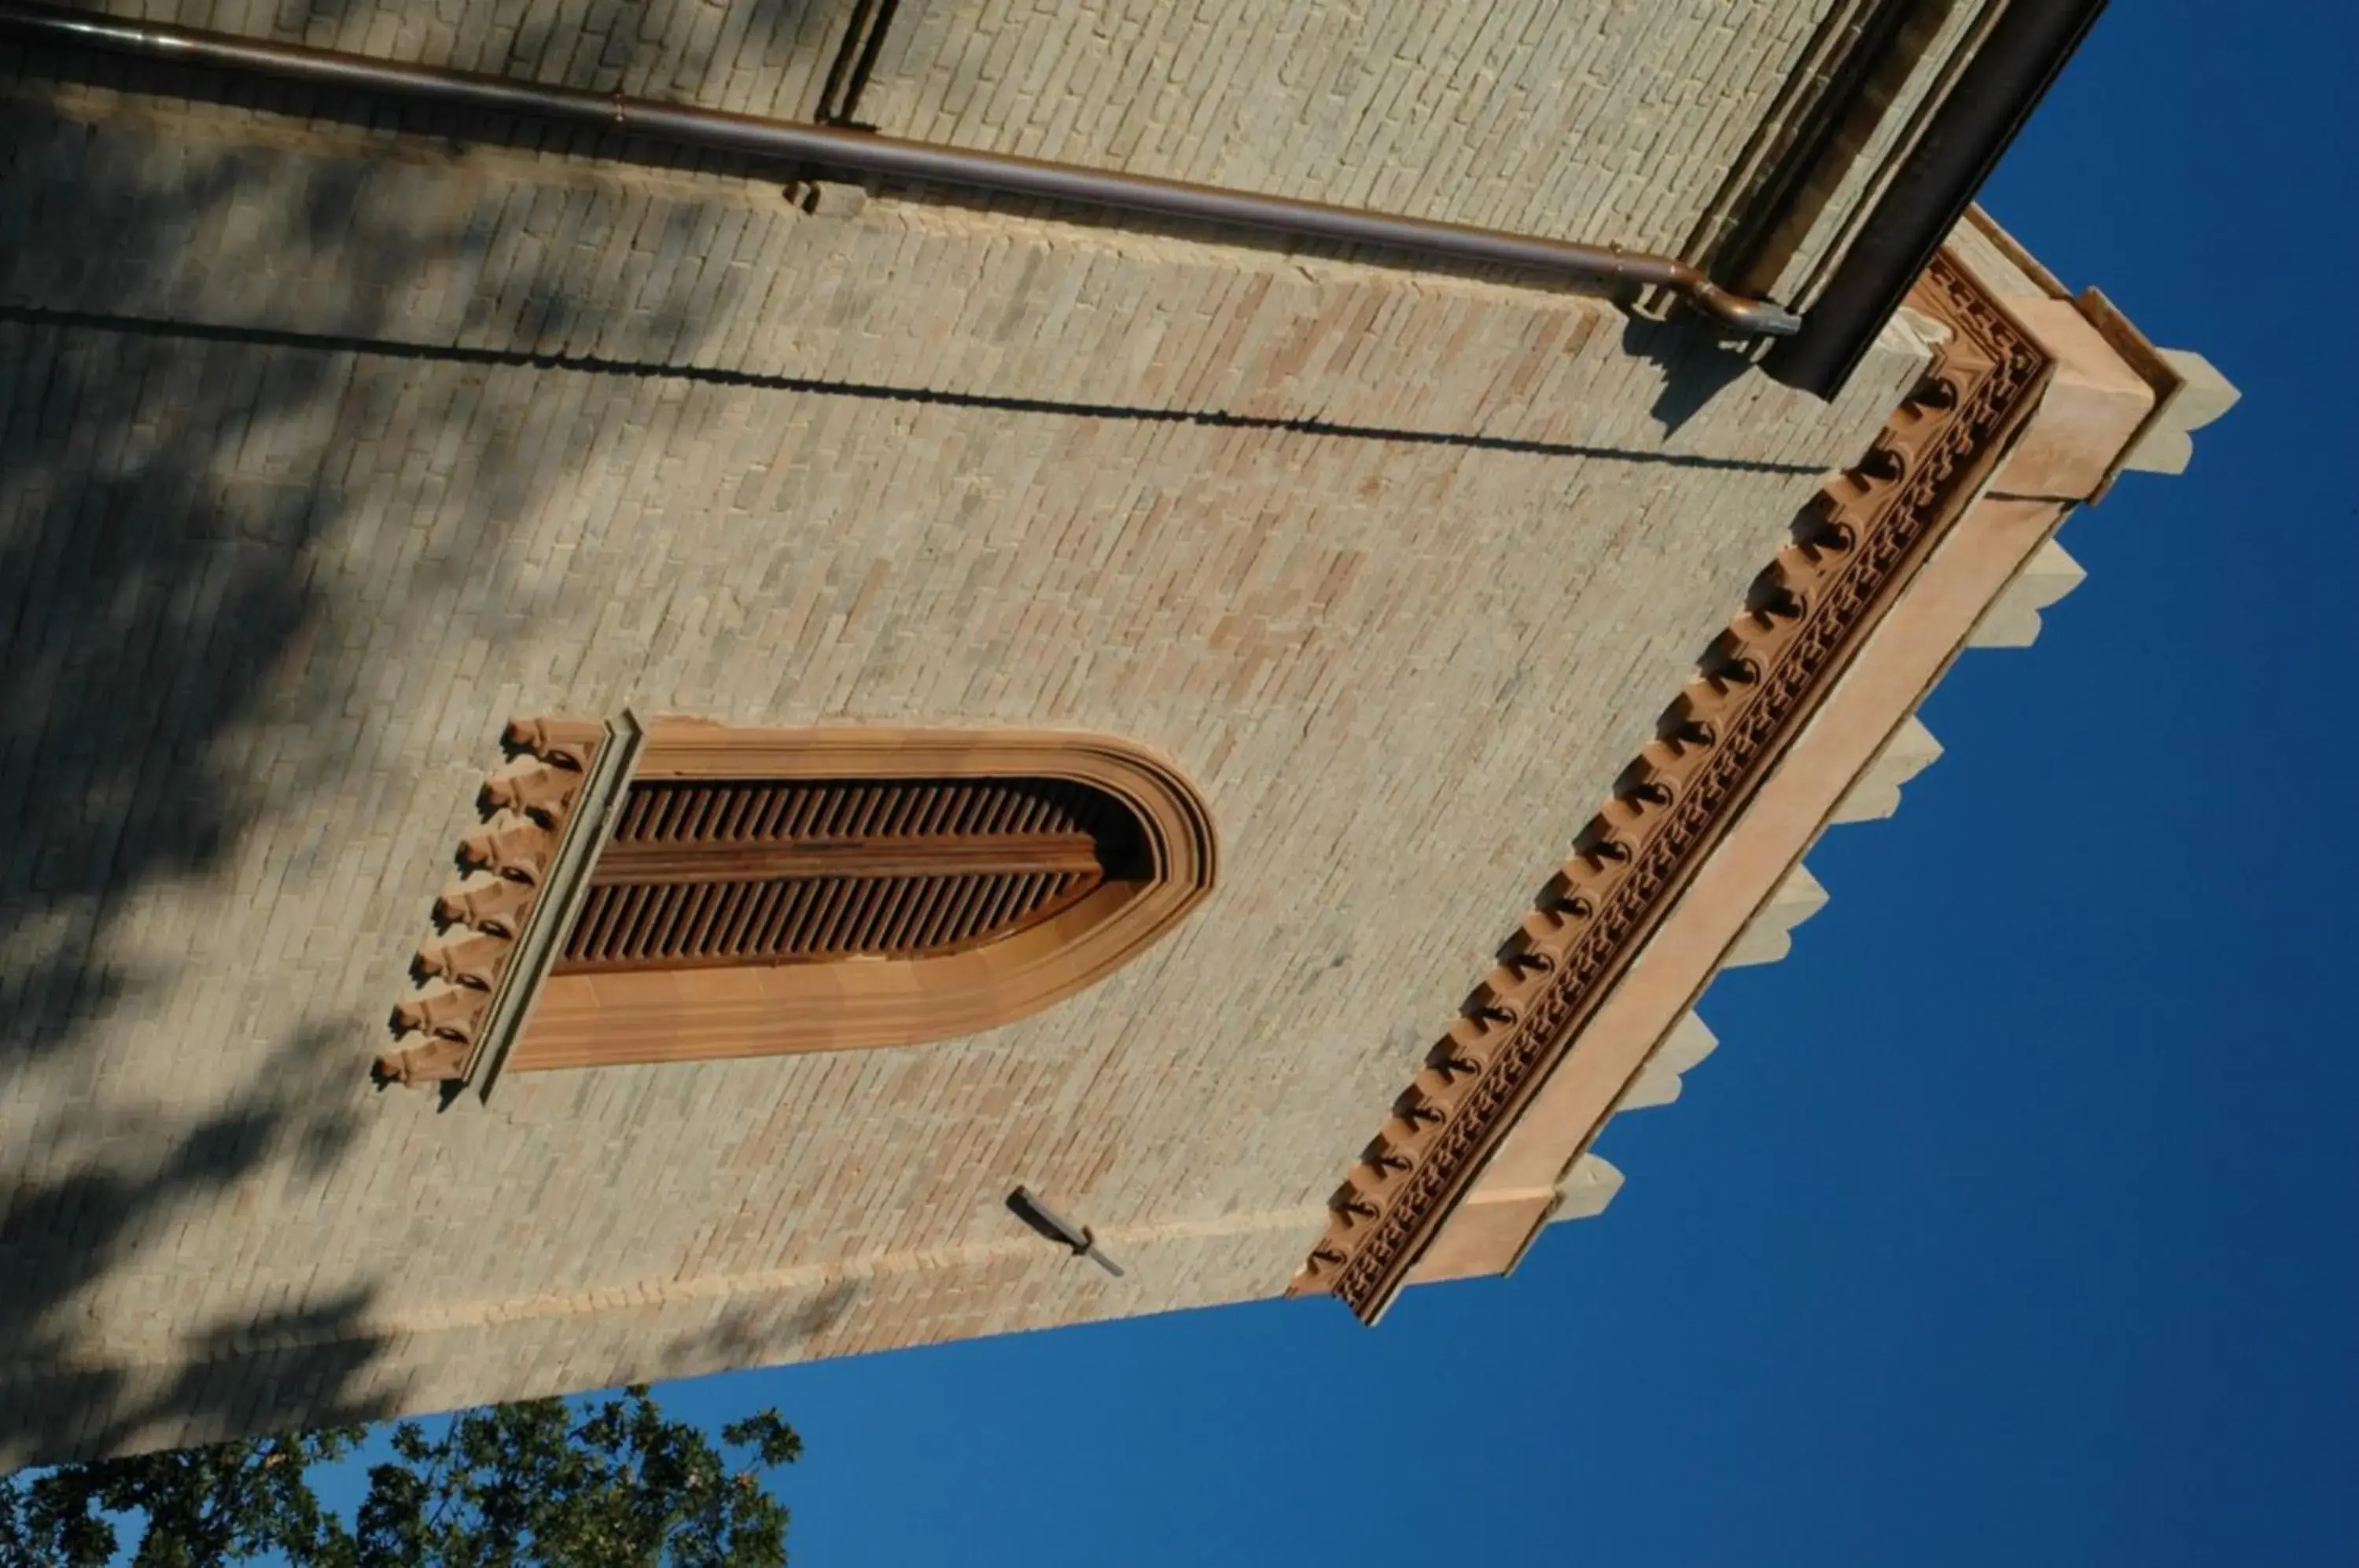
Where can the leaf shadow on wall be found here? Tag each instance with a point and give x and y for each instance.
(189, 568)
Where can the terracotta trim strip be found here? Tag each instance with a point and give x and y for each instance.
(1805, 618)
(565, 888)
(473, 990)
(1917, 639)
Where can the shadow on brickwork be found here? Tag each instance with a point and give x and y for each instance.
(167, 510)
(1697, 365)
(750, 1336)
(65, 1235)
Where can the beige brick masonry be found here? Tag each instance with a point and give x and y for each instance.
(291, 521)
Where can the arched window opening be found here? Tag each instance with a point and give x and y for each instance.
(715, 872)
(754, 892)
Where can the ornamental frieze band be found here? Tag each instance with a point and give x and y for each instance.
(1806, 614)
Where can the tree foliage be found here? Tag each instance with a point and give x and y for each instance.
(607, 1482)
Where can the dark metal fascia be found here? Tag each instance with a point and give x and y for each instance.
(2028, 48)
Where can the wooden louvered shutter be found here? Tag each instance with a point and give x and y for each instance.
(710, 872)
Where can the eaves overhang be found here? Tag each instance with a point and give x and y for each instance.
(1802, 717)
(1799, 631)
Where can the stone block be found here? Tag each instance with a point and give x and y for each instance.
(2013, 618)
(1877, 794)
(2204, 395)
(1687, 1042)
(1586, 1188)
(1769, 936)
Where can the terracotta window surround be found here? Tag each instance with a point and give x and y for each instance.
(608, 1018)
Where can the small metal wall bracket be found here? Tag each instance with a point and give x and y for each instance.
(1078, 1239)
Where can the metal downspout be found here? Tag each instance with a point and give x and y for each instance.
(831, 147)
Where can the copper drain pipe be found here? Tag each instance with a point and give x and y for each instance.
(830, 148)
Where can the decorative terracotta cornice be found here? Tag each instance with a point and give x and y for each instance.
(1803, 620)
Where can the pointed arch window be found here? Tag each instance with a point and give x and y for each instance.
(749, 872)
(750, 892)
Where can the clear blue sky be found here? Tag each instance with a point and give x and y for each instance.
(2013, 1221)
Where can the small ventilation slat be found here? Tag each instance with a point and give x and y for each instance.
(658, 807)
(672, 815)
(746, 906)
(740, 908)
(676, 935)
(1029, 894)
(939, 921)
(663, 913)
(633, 926)
(630, 910)
(783, 819)
(932, 803)
(891, 931)
(878, 932)
(996, 897)
(950, 913)
(965, 818)
(965, 893)
(739, 806)
(844, 815)
(801, 935)
(935, 918)
(1009, 812)
(966, 896)
(848, 812)
(860, 913)
(782, 914)
(802, 932)
(712, 907)
(596, 910)
(826, 916)
(1014, 899)
(728, 871)
(852, 917)
(614, 932)
(632, 932)
(858, 894)
(594, 930)
(708, 811)
(861, 935)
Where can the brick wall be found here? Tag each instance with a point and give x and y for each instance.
(290, 523)
(1607, 120)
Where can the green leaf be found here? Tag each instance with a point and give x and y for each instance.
(611, 1481)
